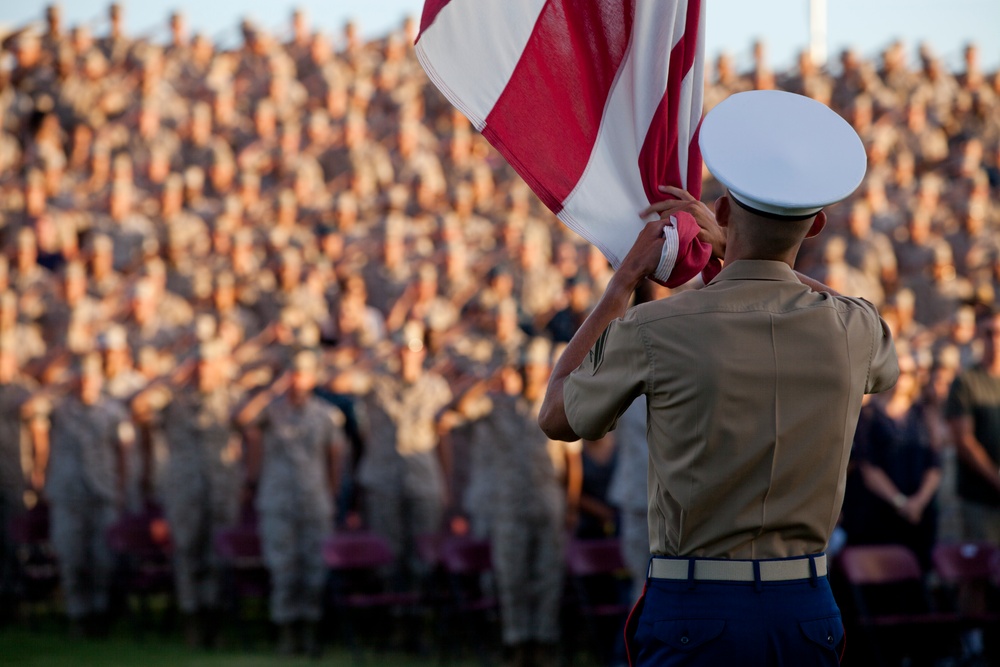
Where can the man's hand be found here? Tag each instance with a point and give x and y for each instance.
(644, 256)
(711, 232)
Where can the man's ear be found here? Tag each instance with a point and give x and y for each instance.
(722, 208)
(817, 226)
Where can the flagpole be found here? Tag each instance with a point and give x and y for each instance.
(817, 32)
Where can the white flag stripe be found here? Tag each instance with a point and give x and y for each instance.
(692, 102)
(611, 186)
(466, 32)
(649, 31)
(685, 131)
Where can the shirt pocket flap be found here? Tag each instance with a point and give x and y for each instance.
(827, 632)
(688, 634)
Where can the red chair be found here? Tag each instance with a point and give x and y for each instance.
(141, 545)
(244, 576)
(470, 611)
(38, 571)
(144, 536)
(428, 548)
(965, 569)
(434, 581)
(358, 563)
(967, 564)
(239, 548)
(964, 562)
(600, 585)
(466, 560)
(892, 606)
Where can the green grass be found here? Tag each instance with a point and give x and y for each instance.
(52, 647)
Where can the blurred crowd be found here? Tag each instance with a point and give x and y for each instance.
(285, 280)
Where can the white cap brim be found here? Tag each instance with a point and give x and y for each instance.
(781, 153)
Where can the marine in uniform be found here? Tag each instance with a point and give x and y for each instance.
(301, 444)
(90, 435)
(401, 470)
(122, 382)
(19, 423)
(535, 487)
(203, 478)
(753, 383)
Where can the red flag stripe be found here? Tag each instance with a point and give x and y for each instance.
(594, 104)
(548, 117)
(659, 158)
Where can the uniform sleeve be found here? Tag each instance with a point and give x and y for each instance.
(883, 368)
(605, 384)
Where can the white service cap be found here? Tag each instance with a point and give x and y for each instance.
(782, 154)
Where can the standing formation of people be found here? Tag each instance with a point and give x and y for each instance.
(182, 222)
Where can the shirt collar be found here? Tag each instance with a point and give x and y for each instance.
(755, 269)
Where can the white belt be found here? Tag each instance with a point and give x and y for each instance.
(737, 570)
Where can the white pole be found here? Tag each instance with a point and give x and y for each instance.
(817, 32)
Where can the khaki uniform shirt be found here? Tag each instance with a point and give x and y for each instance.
(754, 386)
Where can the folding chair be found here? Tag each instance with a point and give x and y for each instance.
(37, 568)
(244, 576)
(966, 564)
(471, 610)
(357, 562)
(600, 588)
(141, 545)
(894, 612)
(965, 570)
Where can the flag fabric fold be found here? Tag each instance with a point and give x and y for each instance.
(594, 104)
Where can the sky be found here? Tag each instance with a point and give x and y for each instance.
(732, 25)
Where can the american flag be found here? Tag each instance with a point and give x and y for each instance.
(595, 104)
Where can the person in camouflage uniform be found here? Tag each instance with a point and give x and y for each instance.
(17, 419)
(535, 491)
(122, 382)
(400, 472)
(89, 437)
(202, 479)
(297, 443)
